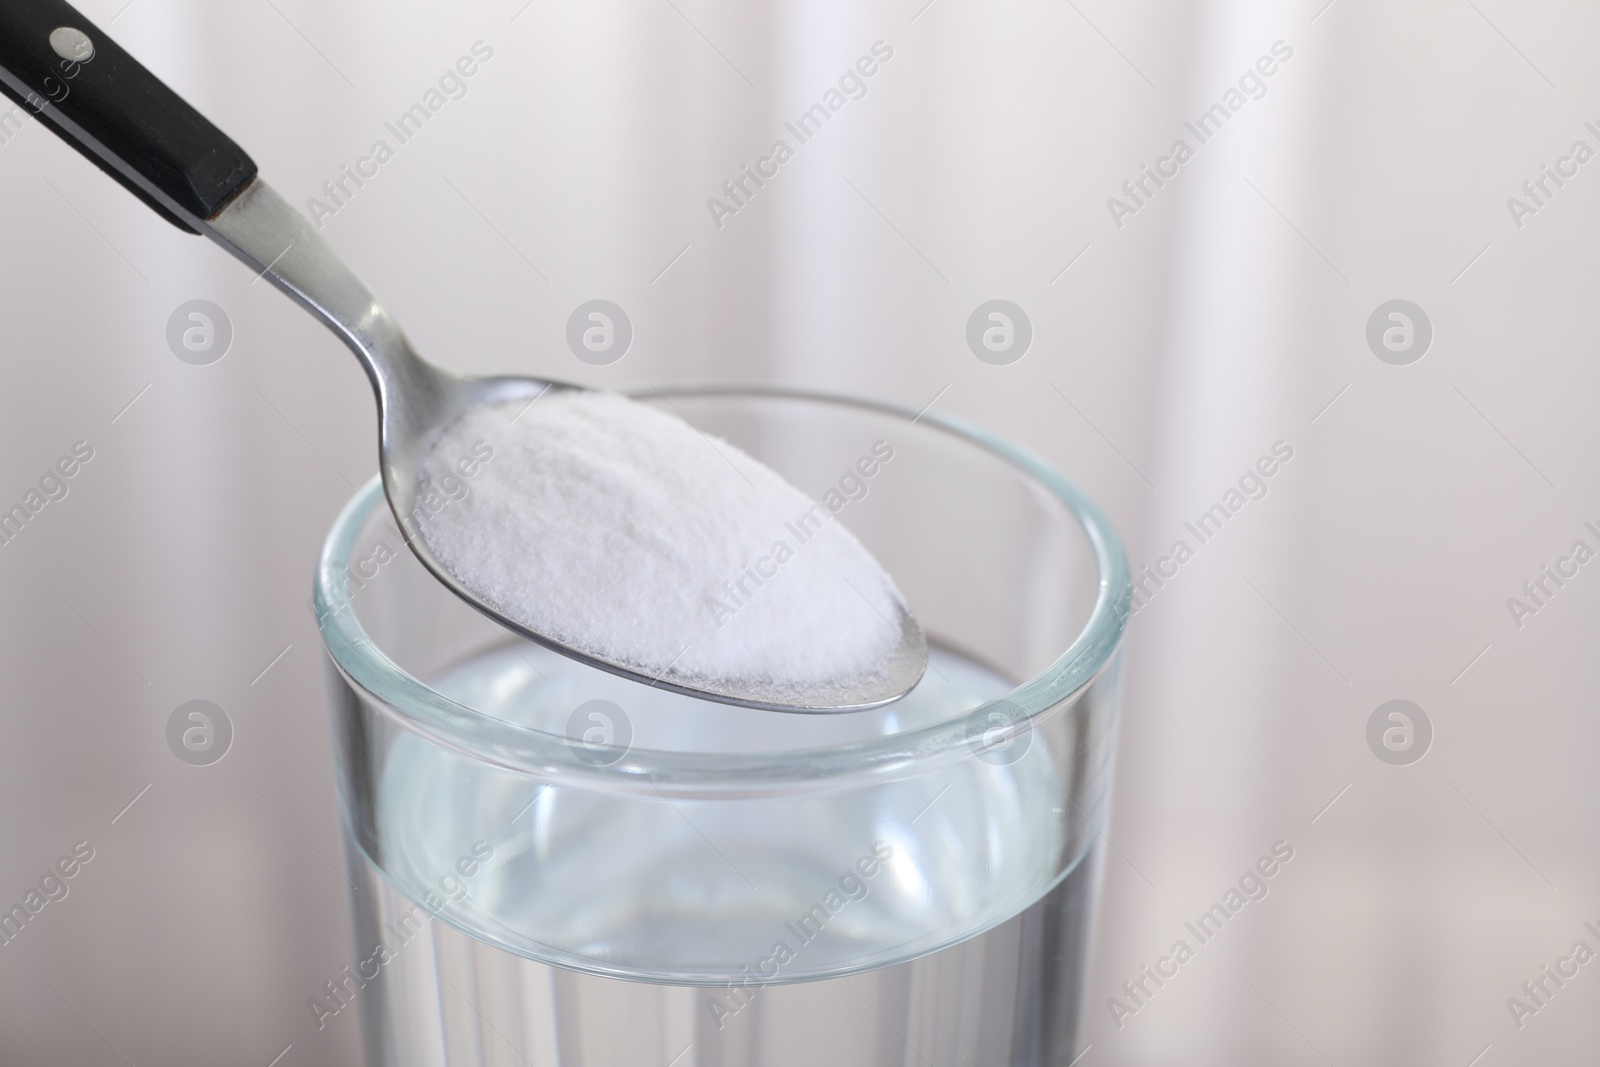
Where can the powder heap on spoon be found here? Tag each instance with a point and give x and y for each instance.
(628, 535)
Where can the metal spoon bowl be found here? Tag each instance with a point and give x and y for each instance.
(417, 401)
(105, 104)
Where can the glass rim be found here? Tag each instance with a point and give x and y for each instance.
(524, 749)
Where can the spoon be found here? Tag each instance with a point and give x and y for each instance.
(100, 100)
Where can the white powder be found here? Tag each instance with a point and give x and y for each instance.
(627, 534)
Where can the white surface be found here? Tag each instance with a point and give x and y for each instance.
(623, 532)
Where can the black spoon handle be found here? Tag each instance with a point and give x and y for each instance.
(104, 103)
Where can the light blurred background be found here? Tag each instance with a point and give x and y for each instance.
(1228, 313)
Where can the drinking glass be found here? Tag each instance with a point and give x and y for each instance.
(555, 865)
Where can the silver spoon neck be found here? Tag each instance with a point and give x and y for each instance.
(279, 244)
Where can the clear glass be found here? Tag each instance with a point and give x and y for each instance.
(559, 866)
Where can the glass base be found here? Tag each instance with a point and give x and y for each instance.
(1008, 997)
